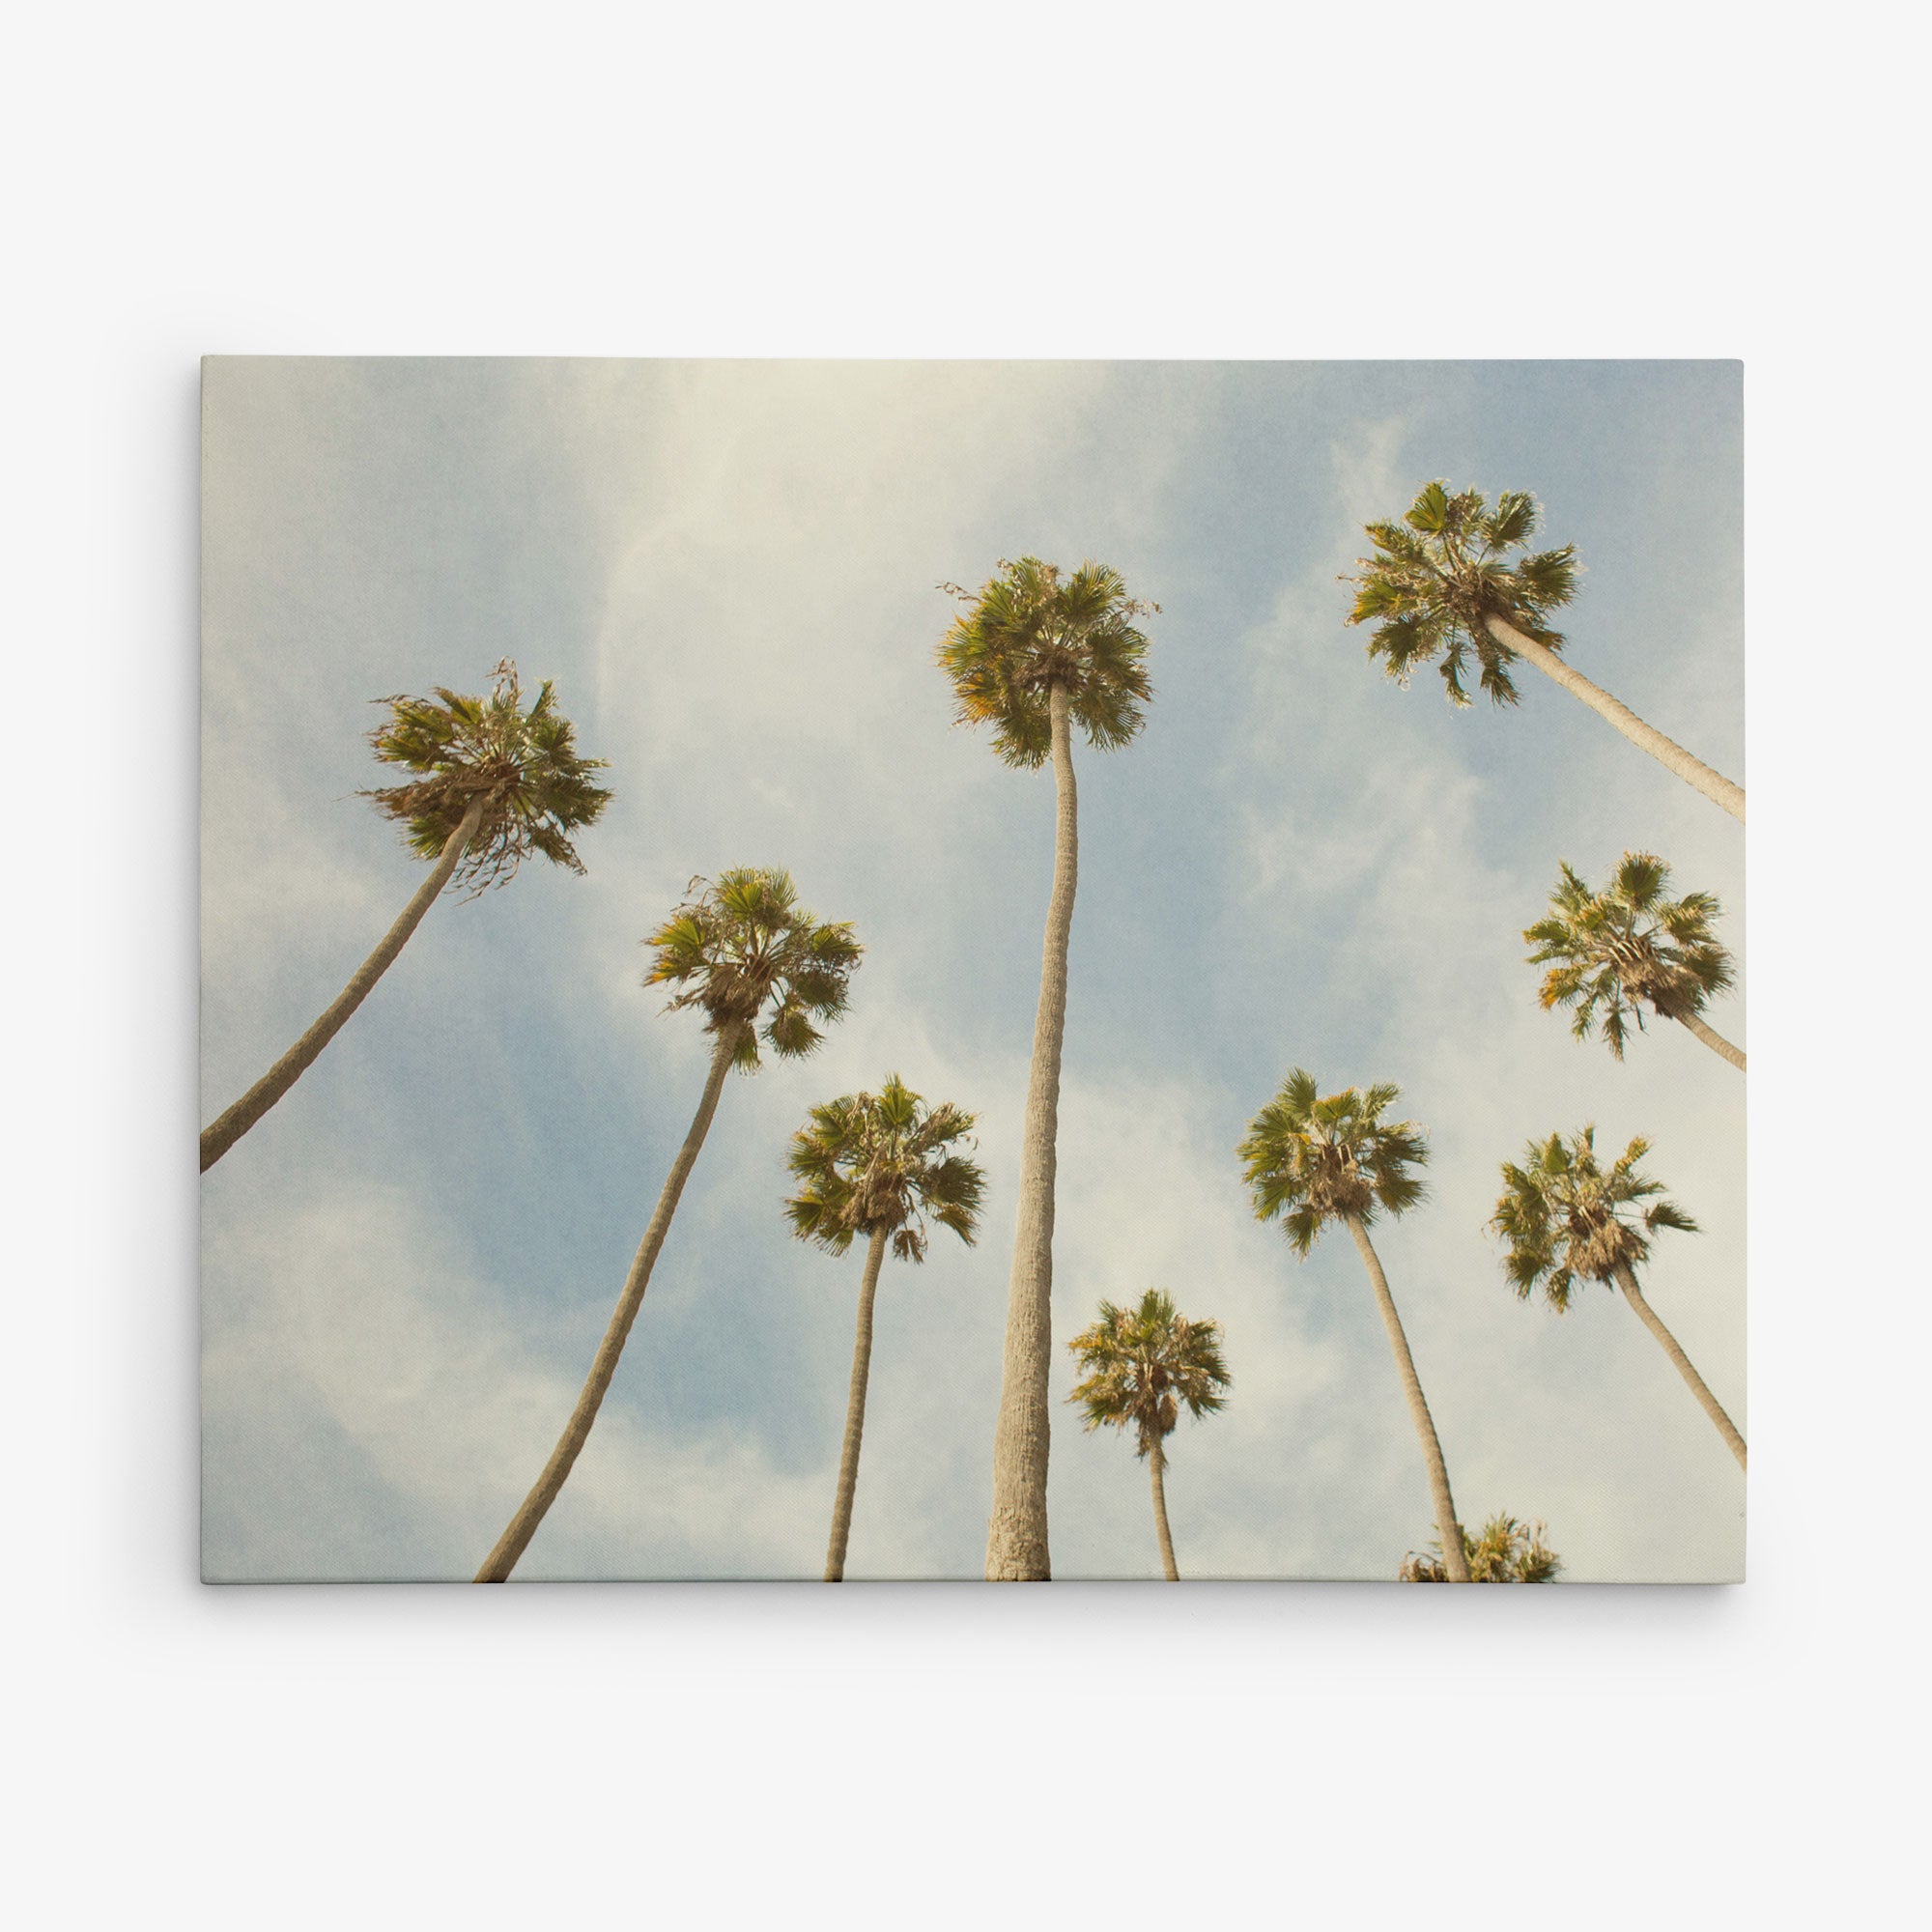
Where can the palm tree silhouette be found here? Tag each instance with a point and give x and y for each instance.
(1035, 651)
(497, 784)
(1311, 1161)
(1566, 1218)
(739, 950)
(875, 1165)
(1144, 1365)
(1441, 581)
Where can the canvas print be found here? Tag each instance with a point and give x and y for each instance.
(971, 970)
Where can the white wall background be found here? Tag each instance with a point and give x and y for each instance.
(1052, 182)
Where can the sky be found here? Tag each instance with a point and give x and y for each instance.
(731, 572)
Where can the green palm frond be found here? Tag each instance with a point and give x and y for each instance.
(1312, 1159)
(743, 947)
(1144, 1365)
(1613, 953)
(523, 765)
(1033, 626)
(1512, 522)
(1563, 1216)
(1438, 577)
(884, 1160)
(1505, 1551)
(1665, 1214)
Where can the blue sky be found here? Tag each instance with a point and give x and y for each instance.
(729, 571)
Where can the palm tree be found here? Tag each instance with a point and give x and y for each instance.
(1507, 1551)
(1035, 652)
(1566, 1218)
(739, 950)
(1441, 581)
(1312, 1160)
(1143, 1365)
(497, 783)
(1617, 950)
(875, 1165)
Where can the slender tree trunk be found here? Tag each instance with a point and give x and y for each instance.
(854, 1413)
(1693, 771)
(1016, 1548)
(1157, 1462)
(1455, 1559)
(515, 1540)
(1713, 1038)
(229, 1126)
(1668, 1342)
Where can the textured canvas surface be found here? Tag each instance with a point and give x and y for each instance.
(735, 577)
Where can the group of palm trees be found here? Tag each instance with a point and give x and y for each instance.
(1033, 652)
(1455, 579)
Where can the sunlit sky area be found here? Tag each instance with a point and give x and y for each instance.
(729, 570)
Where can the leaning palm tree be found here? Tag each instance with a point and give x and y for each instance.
(1566, 1218)
(875, 1165)
(1444, 582)
(1507, 1551)
(497, 784)
(1036, 651)
(740, 951)
(1144, 1365)
(1311, 1161)
(1613, 953)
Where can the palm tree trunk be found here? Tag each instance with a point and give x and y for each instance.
(1158, 1459)
(513, 1542)
(854, 1413)
(229, 1126)
(1016, 1548)
(1713, 1038)
(1668, 1342)
(1693, 771)
(1455, 1558)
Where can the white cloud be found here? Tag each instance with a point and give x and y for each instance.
(361, 1311)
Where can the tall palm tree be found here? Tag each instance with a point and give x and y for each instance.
(740, 951)
(1035, 651)
(1614, 953)
(1144, 1365)
(875, 1165)
(1567, 1218)
(1311, 1161)
(497, 783)
(1507, 1551)
(1442, 580)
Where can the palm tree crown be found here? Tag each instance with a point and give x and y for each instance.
(1145, 1364)
(1312, 1160)
(735, 946)
(1034, 626)
(1438, 577)
(869, 1163)
(523, 765)
(1565, 1216)
(1507, 1551)
(1611, 952)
